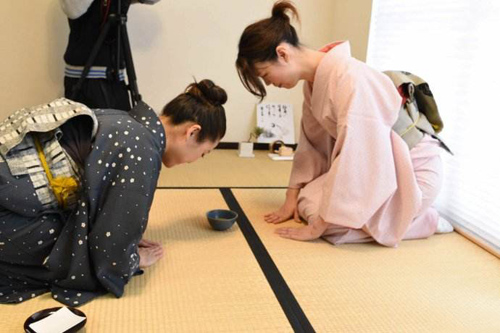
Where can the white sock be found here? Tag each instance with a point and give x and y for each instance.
(443, 226)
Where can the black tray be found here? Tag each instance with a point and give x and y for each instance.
(45, 313)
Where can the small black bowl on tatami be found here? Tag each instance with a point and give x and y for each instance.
(221, 219)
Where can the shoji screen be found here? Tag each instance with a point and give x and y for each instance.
(454, 46)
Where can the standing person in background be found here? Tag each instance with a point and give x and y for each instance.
(103, 87)
(354, 179)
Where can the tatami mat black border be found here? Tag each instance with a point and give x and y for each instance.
(218, 187)
(256, 145)
(287, 300)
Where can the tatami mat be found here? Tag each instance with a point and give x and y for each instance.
(441, 284)
(223, 168)
(208, 281)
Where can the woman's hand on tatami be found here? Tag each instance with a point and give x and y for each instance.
(287, 211)
(148, 243)
(310, 232)
(149, 252)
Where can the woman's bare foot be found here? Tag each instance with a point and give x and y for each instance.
(149, 254)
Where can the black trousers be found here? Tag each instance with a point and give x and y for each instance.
(100, 93)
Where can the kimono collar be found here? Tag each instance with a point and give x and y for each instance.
(336, 54)
(335, 49)
(145, 115)
(341, 47)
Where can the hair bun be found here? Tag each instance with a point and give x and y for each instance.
(281, 7)
(208, 91)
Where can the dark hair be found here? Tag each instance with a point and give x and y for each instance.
(259, 41)
(200, 103)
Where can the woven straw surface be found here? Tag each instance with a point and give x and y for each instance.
(441, 284)
(223, 168)
(208, 281)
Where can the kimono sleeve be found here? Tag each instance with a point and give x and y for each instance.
(313, 150)
(363, 173)
(118, 228)
(121, 175)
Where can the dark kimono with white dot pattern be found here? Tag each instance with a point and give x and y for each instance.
(91, 250)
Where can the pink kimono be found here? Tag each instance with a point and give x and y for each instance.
(354, 171)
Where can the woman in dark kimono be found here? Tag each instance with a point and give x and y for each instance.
(76, 187)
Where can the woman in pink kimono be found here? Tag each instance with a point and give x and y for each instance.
(353, 178)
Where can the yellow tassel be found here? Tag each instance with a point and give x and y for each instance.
(62, 187)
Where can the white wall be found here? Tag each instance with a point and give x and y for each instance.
(182, 39)
(33, 36)
(172, 42)
(351, 21)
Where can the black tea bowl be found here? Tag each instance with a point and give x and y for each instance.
(221, 219)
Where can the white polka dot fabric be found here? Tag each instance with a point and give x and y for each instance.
(91, 250)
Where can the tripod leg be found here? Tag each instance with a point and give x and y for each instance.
(129, 63)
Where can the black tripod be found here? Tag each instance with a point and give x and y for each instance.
(120, 20)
